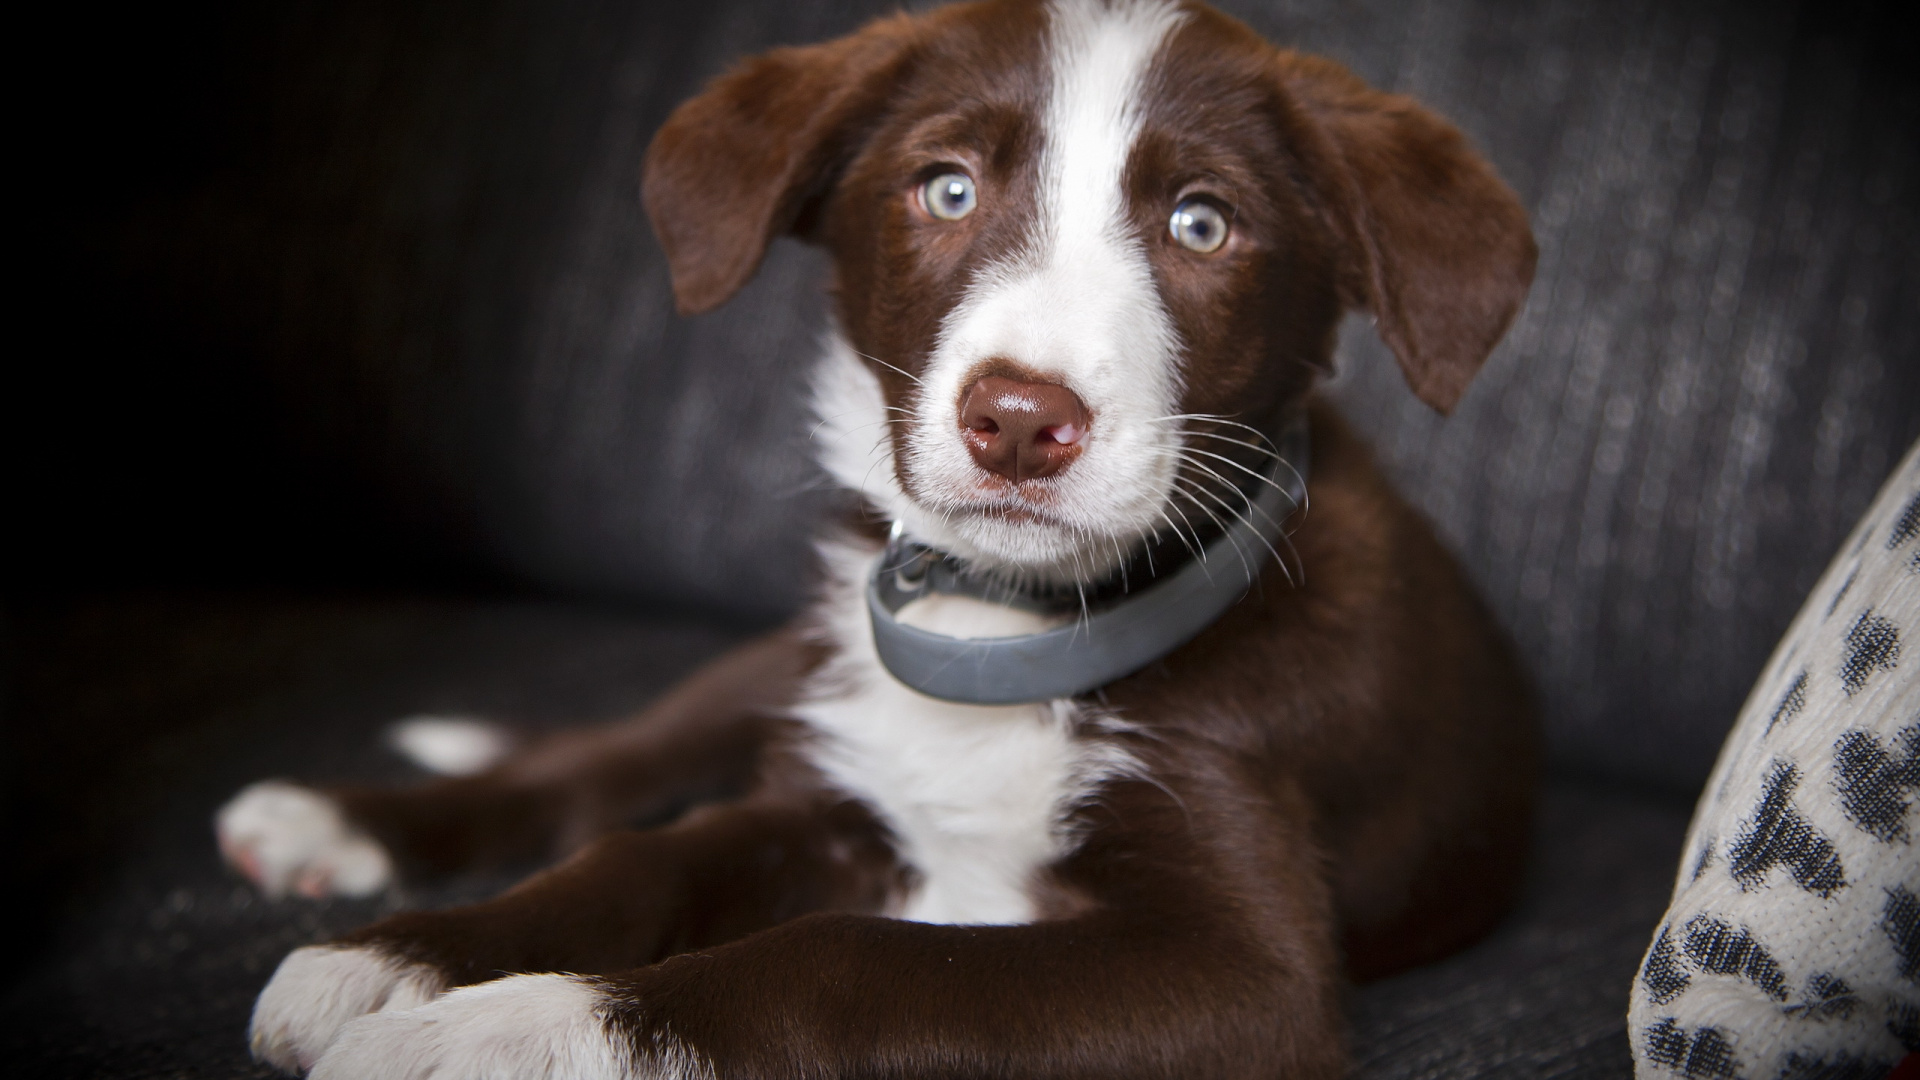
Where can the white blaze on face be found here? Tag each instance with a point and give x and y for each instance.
(1079, 306)
(978, 797)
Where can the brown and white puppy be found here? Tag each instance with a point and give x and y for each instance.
(1082, 248)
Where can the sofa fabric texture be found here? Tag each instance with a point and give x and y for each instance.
(367, 399)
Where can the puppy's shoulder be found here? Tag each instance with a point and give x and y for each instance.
(1362, 558)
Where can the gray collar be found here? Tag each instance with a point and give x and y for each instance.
(1126, 627)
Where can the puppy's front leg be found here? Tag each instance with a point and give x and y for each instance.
(626, 900)
(853, 996)
(699, 740)
(1223, 970)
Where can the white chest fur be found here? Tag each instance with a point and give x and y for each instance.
(976, 796)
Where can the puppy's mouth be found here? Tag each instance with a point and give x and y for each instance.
(1022, 513)
(985, 498)
(1006, 529)
(1013, 508)
(1078, 524)
(1018, 515)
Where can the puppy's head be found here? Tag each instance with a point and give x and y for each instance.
(1083, 251)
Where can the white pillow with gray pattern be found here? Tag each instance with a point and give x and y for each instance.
(1791, 950)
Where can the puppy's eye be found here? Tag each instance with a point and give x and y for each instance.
(948, 196)
(1198, 226)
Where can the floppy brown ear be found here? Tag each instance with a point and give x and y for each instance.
(1444, 255)
(735, 167)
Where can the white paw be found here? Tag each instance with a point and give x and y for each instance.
(524, 1027)
(283, 836)
(319, 988)
(449, 745)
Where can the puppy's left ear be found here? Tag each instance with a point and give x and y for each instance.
(736, 166)
(1440, 251)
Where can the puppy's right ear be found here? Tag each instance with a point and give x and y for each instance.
(736, 166)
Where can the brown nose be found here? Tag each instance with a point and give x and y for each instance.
(1022, 430)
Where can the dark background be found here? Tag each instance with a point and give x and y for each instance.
(346, 382)
(358, 294)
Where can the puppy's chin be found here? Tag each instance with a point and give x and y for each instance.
(1023, 545)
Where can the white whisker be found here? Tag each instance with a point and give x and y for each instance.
(1262, 477)
(1211, 418)
(1191, 550)
(1237, 515)
(890, 367)
(1224, 531)
(1230, 486)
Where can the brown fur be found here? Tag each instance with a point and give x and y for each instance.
(1338, 774)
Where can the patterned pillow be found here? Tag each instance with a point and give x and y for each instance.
(1791, 950)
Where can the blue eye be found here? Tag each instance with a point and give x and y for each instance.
(949, 196)
(1197, 226)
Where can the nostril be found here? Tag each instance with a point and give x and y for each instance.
(1064, 434)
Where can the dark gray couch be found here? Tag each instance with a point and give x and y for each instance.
(363, 396)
